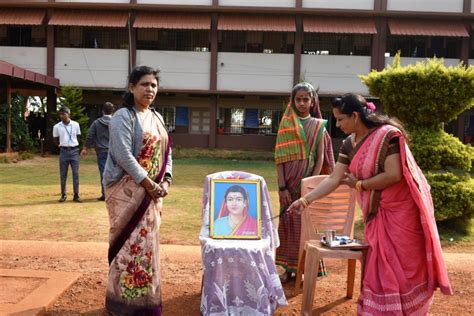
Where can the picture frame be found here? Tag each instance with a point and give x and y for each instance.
(235, 209)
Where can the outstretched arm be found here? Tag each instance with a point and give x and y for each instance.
(324, 188)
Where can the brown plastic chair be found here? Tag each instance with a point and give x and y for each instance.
(335, 211)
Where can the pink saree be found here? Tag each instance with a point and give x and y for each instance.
(248, 226)
(404, 264)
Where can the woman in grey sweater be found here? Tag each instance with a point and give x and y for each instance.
(137, 176)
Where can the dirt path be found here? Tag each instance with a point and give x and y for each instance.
(181, 279)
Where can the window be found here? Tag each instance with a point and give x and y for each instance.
(337, 44)
(200, 121)
(91, 37)
(269, 121)
(169, 114)
(424, 46)
(249, 121)
(29, 36)
(256, 42)
(167, 39)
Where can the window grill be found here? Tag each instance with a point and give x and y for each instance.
(26, 36)
(169, 114)
(91, 37)
(249, 121)
(423, 46)
(256, 42)
(337, 44)
(178, 40)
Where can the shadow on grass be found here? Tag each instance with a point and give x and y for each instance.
(52, 202)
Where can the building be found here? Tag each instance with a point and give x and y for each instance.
(227, 66)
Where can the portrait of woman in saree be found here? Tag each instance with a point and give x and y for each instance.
(404, 264)
(235, 209)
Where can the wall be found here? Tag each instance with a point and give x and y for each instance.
(404, 61)
(92, 68)
(179, 70)
(30, 58)
(426, 5)
(340, 4)
(335, 74)
(255, 72)
(258, 3)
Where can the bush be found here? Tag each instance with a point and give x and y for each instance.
(20, 136)
(426, 94)
(453, 196)
(190, 153)
(437, 150)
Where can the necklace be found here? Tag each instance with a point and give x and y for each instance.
(231, 222)
(305, 118)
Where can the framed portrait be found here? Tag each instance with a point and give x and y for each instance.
(235, 209)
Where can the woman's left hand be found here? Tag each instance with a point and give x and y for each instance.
(164, 188)
(349, 179)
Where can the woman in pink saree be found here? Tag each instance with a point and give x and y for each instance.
(234, 218)
(404, 264)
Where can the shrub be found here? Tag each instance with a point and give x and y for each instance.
(20, 136)
(453, 195)
(437, 150)
(426, 94)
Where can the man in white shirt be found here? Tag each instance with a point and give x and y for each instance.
(65, 136)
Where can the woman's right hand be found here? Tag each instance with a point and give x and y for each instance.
(295, 207)
(285, 197)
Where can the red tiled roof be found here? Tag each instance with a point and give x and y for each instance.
(241, 22)
(21, 16)
(345, 25)
(173, 21)
(427, 28)
(13, 71)
(89, 18)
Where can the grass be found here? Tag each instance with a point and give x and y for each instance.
(29, 191)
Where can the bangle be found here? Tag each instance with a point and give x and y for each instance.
(358, 186)
(168, 179)
(155, 187)
(282, 188)
(304, 201)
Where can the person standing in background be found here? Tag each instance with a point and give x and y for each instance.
(98, 136)
(65, 136)
(303, 148)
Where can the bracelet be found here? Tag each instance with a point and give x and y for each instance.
(358, 186)
(282, 188)
(304, 201)
(168, 179)
(155, 187)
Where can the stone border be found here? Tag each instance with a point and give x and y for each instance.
(43, 296)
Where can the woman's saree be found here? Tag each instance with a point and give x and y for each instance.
(289, 228)
(404, 263)
(133, 286)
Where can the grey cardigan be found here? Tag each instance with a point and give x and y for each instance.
(125, 143)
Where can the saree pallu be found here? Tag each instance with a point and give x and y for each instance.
(134, 275)
(404, 263)
(289, 227)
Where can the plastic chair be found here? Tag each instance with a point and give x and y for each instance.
(335, 211)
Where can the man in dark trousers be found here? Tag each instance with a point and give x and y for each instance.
(98, 136)
(65, 136)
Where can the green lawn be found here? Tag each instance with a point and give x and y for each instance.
(29, 191)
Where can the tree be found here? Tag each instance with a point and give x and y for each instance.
(20, 136)
(72, 98)
(424, 97)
